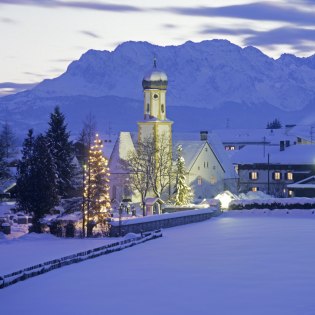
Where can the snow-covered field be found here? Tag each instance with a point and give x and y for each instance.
(32, 249)
(238, 263)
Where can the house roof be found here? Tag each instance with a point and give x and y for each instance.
(305, 132)
(6, 185)
(252, 136)
(308, 182)
(192, 146)
(151, 201)
(294, 155)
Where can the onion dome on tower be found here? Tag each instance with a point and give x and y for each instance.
(155, 79)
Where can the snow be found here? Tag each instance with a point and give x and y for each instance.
(164, 216)
(294, 154)
(242, 85)
(31, 249)
(192, 146)
(233, 264)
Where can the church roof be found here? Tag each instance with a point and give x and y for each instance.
(191, 143)
(155, 79)
(123, 145)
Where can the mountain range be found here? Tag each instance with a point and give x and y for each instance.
(212, 84)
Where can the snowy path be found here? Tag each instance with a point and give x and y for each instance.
(227, 265)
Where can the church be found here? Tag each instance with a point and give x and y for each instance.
(209, 170)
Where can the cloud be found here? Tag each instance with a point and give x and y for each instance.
(89, 34)
(34, 74)
(169, 25)
(7, 20)
(227, 31)
(90, 5)
(7, 88)
(253, 11)
(298, 38)
(282, 36)
(98, 6)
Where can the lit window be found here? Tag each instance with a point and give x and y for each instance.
(255, 189)
(253, 175)
(289, 176)
(213, 180)
(276, 175)
(199, 180)
(229, 147)
(290, 192)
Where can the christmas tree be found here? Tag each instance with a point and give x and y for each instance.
(183, 194)
(96, 189)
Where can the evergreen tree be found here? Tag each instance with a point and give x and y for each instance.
(24, 189)
(3, 163)
(275, 124)
(36, 180)
(96, 192)
(183, 194)
(7, 139)
(61, 151)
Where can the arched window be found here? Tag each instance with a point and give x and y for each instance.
(148, 108)
(162, 108)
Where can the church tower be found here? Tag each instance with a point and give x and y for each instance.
(155, 125)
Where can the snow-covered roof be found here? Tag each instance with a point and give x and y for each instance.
(192, 145)
(294, 154)
(123, 145)
(305, 132)
(252, 136)
(150, 201)
(6, 185)
(308, 182)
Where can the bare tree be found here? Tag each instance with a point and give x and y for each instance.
(150, 167)
(86, 138)
(139, 165)
(161, 174)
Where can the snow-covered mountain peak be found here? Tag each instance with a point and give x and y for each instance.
(212, 74)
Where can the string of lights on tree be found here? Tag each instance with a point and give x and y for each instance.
(96, 186)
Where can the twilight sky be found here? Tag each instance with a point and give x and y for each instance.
(39, 38)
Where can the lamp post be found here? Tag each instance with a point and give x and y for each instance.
(83, 203)
(268, 183)
(120, 210)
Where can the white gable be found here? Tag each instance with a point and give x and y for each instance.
(123, 145)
